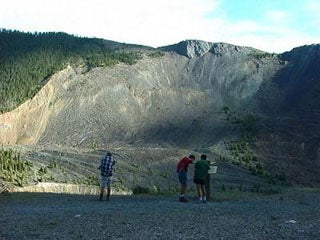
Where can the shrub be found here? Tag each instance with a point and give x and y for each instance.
(12, 168)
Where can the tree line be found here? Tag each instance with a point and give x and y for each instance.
(28, 59)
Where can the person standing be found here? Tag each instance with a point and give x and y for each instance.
(182, 170)
(201, 169)
(106, 170)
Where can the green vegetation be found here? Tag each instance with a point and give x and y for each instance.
(241, 148)
(153, 189)
(28, 59)
(12, 168)
(156, 54)
(261, 55)
(88, 180)
(238, 192)
(18, 172)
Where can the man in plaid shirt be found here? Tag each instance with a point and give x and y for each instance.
(106, 170)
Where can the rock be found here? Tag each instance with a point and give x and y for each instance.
(189, 48)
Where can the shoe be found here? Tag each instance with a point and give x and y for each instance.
(204, 201)
(182, 199)
(100, 199)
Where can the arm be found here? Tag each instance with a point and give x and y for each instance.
(100, 164)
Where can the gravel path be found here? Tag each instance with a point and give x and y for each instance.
(58, 216)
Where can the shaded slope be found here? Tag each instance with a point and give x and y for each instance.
(290, 134)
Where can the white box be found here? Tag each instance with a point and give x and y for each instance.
(213, 170)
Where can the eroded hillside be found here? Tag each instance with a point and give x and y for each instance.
(163, 99)
(192, 95)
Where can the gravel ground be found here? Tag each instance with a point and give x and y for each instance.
(57, 216)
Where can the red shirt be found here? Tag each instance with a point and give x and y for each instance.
(184, 164)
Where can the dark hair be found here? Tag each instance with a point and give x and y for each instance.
(109, 154)
(191, 156)
(203, 156)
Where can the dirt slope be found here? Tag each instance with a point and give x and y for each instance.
(177, 100)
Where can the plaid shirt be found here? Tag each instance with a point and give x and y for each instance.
(106, 166)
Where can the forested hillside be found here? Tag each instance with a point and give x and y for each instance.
(28, 59)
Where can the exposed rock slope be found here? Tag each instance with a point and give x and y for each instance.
(162, 99)
(176, 100)
(291, 115)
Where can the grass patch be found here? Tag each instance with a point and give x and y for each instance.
(229, 193)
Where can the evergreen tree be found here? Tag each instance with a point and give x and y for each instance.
(28, 59)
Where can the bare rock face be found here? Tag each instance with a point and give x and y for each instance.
(25, 124)
(189, 48)
(166, 99)
(291, 110)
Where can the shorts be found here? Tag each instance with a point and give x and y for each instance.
(105, 181)
(199, 181)
(182, 177)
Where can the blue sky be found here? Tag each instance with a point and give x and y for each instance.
(269, 25)
(291, 14)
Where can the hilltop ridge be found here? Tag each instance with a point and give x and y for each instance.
(198, 48)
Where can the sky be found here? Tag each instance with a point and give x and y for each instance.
(274, 26)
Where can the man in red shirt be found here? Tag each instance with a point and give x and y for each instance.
(182, 170)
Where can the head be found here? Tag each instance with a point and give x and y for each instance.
(203, 157)
(108, 153)
(192, 157)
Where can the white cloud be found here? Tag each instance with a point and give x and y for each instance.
(141, 21)
(277, 16)
(268, 36)
(152, 23)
